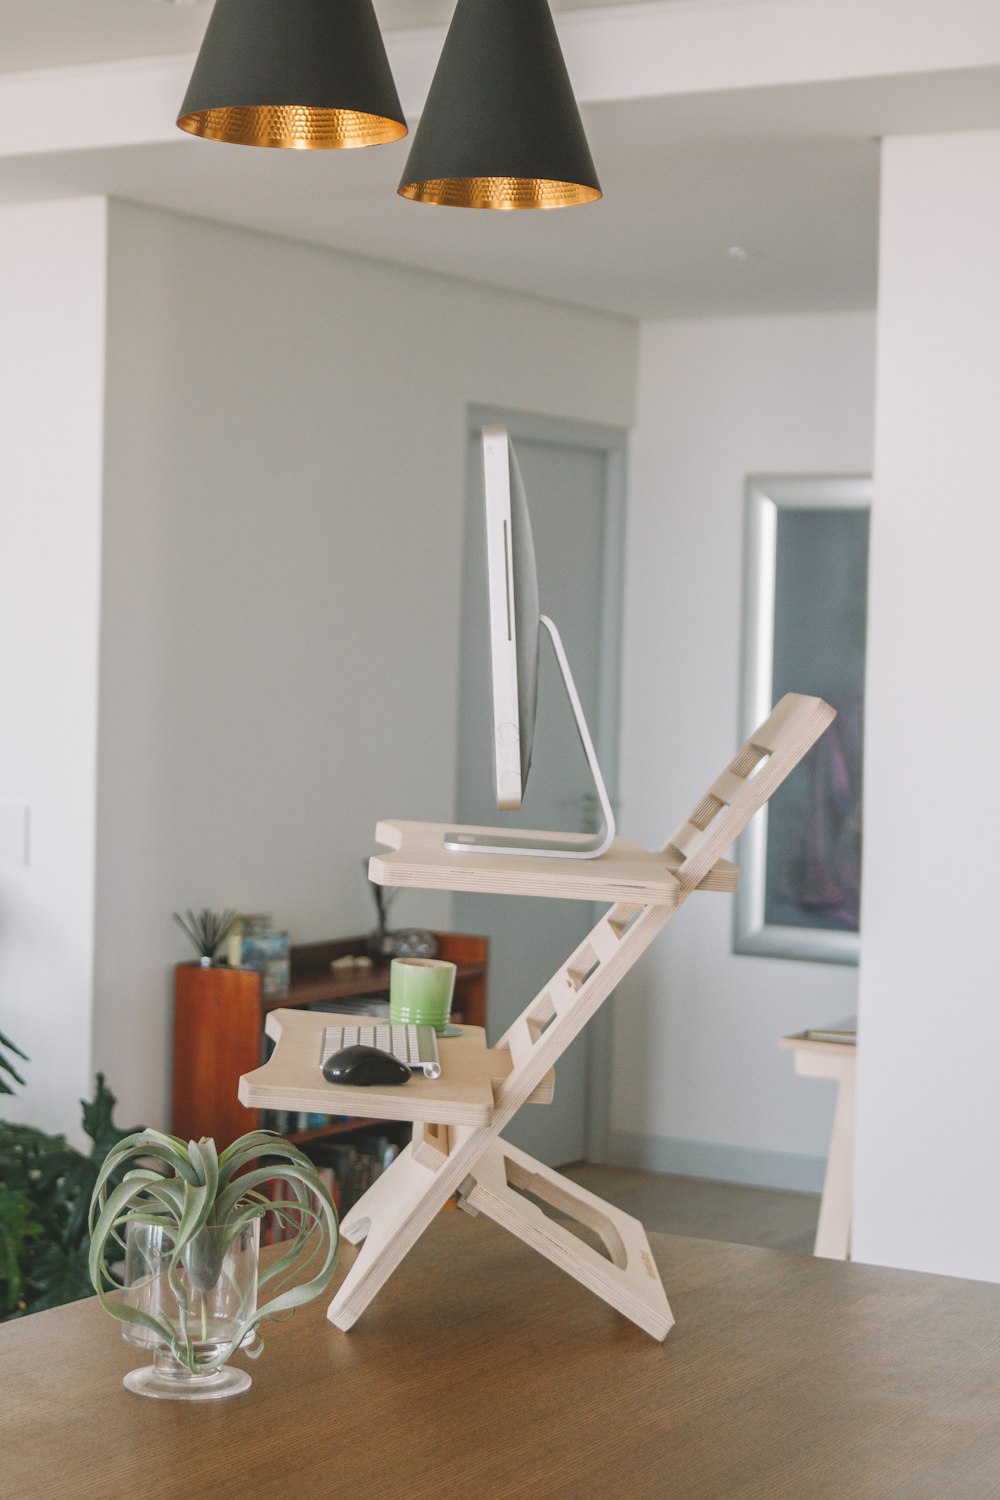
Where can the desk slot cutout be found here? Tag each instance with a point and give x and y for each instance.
(568, 1211)
(540, 1016)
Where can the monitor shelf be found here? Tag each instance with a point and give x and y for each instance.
(626, 872)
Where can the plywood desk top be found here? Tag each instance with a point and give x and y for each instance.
(481, 1370)
(291, 1078)
(819, 1056)
(627, 872)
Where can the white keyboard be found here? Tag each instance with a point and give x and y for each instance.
(416, 1046)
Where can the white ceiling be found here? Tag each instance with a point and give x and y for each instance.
(787, 173)
(59, 33)
(655, 246)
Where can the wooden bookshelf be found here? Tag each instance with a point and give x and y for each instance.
(220, 1015)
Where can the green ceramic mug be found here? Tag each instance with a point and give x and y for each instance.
(420, 991)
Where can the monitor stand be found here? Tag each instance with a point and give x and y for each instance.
(551, 846)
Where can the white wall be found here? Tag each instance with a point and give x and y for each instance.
(52, 304)
(699, 1085)
(282, 579)
(928, 1125)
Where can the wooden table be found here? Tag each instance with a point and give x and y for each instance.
(836, 1060)
(482, 1371)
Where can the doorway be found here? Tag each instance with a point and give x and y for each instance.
(574, 478)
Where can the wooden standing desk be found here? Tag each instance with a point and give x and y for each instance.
(452, 1151)
(482, 1371)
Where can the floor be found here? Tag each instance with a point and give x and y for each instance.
(772, 1219)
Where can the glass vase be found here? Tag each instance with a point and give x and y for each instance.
(207, 1310)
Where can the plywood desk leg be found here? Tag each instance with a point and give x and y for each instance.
(394, 1213)
(371, 1206)
(833, 1233)
(390, 1222)
(625, 1277)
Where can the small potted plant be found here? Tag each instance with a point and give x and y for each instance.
(208, 931)
(185, 1220)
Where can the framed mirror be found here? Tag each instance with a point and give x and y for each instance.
(804, 630)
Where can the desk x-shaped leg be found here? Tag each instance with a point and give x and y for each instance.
(492, 1177)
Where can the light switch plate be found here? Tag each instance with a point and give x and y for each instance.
(13, 834)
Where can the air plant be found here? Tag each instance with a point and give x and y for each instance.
(203, 1200)
(208, 930)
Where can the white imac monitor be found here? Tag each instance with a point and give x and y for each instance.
(515, 621)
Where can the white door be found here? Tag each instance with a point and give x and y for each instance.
(572, 476)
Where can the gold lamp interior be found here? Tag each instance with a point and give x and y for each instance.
(292, 127)
(499, 192)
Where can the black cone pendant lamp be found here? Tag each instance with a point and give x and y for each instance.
(501, 128)
(309, 74)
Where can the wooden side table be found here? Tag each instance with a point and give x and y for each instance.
(829, 1059)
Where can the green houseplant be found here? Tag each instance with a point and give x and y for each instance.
(6, 1066)
(45, 1190)
(186, 1219)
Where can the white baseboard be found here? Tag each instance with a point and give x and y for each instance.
(743, 1164)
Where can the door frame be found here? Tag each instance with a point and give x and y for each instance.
(612, 444)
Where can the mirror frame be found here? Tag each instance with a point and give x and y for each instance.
(766, 496)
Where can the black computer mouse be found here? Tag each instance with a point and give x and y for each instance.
(361, 1066)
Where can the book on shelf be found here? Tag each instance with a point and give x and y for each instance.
(350, 1167)
(294, 1121)
(266, 952)
(347, 1170)
(845, 1032)
(367, 1005)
